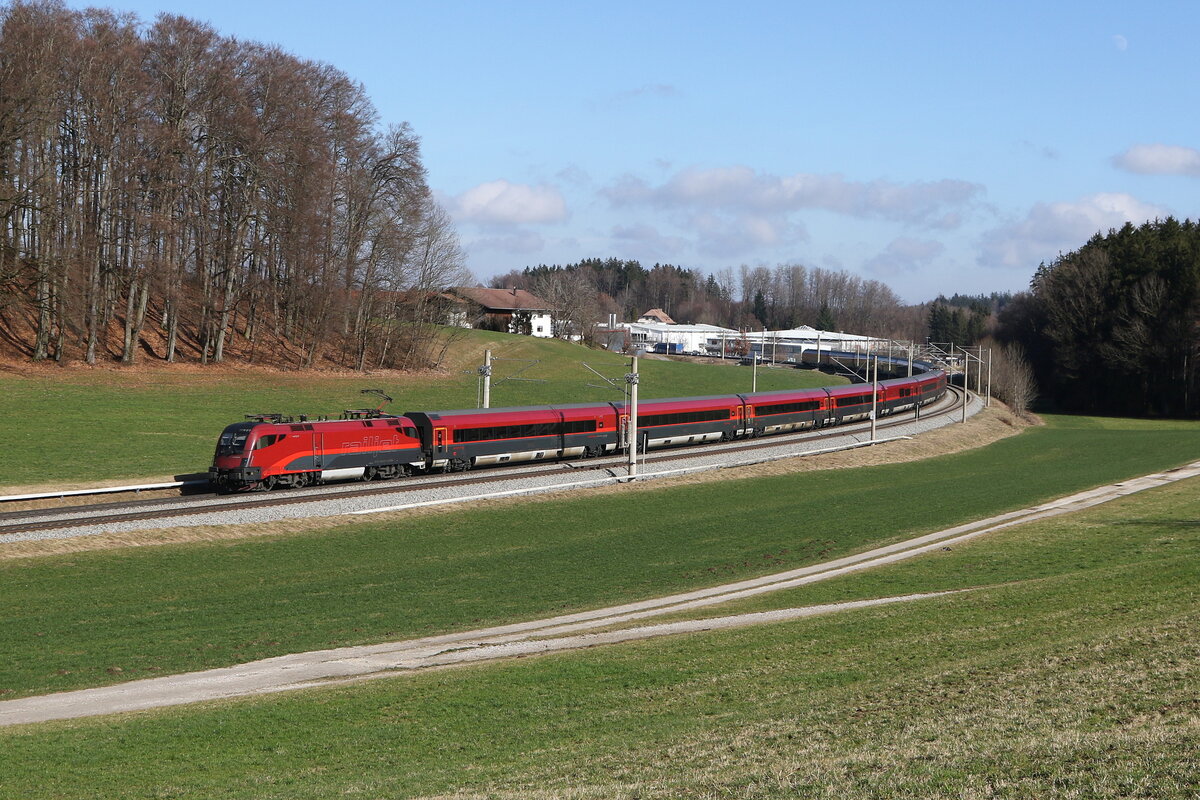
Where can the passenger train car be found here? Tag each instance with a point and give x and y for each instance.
(268, 451)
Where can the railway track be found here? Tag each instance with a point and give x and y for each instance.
(167, 508)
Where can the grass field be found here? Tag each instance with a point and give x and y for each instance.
(80, 425)
(96, 618)
(1070, 673)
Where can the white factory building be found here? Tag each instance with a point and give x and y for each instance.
(649, 334)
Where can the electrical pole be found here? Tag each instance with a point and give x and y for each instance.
(874, 398)
(486, 372)
(754, 371)
(966, 380)
(989, 380)
(632, 380)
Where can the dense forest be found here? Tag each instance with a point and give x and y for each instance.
(167, 190)
(1114, 327)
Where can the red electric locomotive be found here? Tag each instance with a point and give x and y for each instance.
(268, 451)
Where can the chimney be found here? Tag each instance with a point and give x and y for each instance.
(514, 291)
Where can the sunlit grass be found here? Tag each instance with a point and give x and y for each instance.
(71, 621)
(1071, 674)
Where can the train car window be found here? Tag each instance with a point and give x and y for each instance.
(854, 400)
(267, 441)
(683, 418)
(787, 408)
(410, 432)
(524, 431)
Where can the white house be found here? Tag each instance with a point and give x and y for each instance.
(510, 310)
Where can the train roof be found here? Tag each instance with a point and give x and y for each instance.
(776, 393)
(471, 412)
(701, 399)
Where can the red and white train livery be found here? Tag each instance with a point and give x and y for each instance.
(263, 453)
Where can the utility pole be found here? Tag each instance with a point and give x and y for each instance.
(486, 372)
(989, 380)
(754, 370)
(875, 399)
(966, 381)
(632, 380)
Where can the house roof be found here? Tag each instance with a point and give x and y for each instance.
(658, 315)
(502, 299)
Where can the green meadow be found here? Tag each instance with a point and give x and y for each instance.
(101, 425)
(1067, 671)
(101, 617)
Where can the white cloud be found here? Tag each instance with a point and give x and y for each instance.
(1053, 228)
(518, 243)
(904, 255)
(1120, 42)
(732, 235)
(742, 189)
(1160, 159)
(647, 242)
(502, 203)
(574, 175)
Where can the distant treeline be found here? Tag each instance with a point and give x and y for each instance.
(1114, 327)
(166, 177)
(788, 296)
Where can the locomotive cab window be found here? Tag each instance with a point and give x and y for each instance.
(233, 439)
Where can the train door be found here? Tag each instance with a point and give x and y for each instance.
(623, 431)
(318, 450)
(440, 441)
(739, 415)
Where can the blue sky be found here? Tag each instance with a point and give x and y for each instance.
(937, 147)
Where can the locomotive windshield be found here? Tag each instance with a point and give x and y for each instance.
(233, 439)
